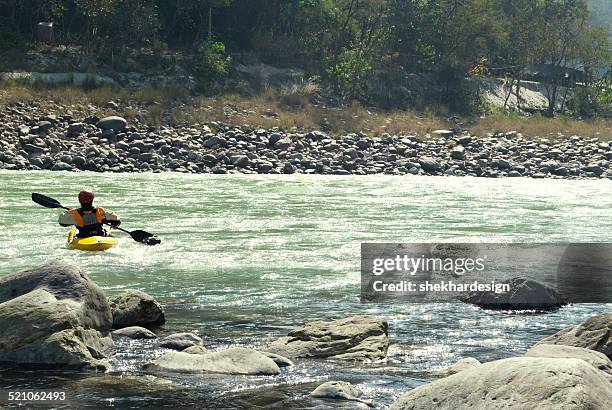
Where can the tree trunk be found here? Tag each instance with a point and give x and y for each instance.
(209, 24)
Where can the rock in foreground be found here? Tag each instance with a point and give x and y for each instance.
(598, 360)
(595, 333)
(359, 338)
(54, 315)
(236, 360)
(516, 383)
(525, 294)
(136, 308)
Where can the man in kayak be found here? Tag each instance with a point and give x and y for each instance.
(88, 219)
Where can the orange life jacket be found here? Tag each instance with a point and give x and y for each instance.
(88, 218)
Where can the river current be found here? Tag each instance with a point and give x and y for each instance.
(244, 258)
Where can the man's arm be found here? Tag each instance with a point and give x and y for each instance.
(66, 219)
(111, 218)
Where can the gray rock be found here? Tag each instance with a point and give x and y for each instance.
(44, 125)
(76, 128)
(180, 341)
(196, 350)
(61, 166)
(136, 308)
(282, 144)
(289, 168)
(466, 363)
(236, 360)
(281, 361)
(458, 152)
(516, 383)
(595, 333)
(135, 332)
(525, 294)
(357, 338)
(240, 161)
(430, 165)
(214, 140)
(598, 360)
(53, 315)
(337, 390)
(114, 123)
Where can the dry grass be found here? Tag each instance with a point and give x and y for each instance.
(293, 109)
(538, 126)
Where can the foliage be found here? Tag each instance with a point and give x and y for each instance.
(212, 64)
(348, 43)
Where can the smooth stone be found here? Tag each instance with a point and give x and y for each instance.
(135, 332)
(238, 361)
(196, 350)
(595, 333)
(180, 341)
(281, 361)
(114, 123)
(136, 308)
(464, 364)
(515, 383)
(525, 294)
(596, 359)
(338, 390)
(61, 166)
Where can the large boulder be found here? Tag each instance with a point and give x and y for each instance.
(359, 338)
(54, 315)
(136, 308)
(598, 360)
(516, 383)
(595, 333)
(237, 360)
(525, 294)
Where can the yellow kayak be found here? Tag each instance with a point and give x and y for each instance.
(93, 243)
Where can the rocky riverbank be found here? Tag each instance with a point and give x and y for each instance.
(36, 141)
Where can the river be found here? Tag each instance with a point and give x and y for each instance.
(245, 258)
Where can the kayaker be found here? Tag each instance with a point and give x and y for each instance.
(88, 219)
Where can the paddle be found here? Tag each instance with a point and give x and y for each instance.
(138, 235)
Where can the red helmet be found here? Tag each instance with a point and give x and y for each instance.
(86, 197)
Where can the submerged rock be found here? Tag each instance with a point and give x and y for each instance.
(466, 363)
(360, 338)
(180, 341)
(135, 332)
(598, 360)
(595, 333)
(236, 360)
(336, 390)
(136, 308)
(525, 294)
(54, 315)
(517, 383)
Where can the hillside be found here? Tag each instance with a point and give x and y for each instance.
(601, 12)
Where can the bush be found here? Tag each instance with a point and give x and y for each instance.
(211, 65)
